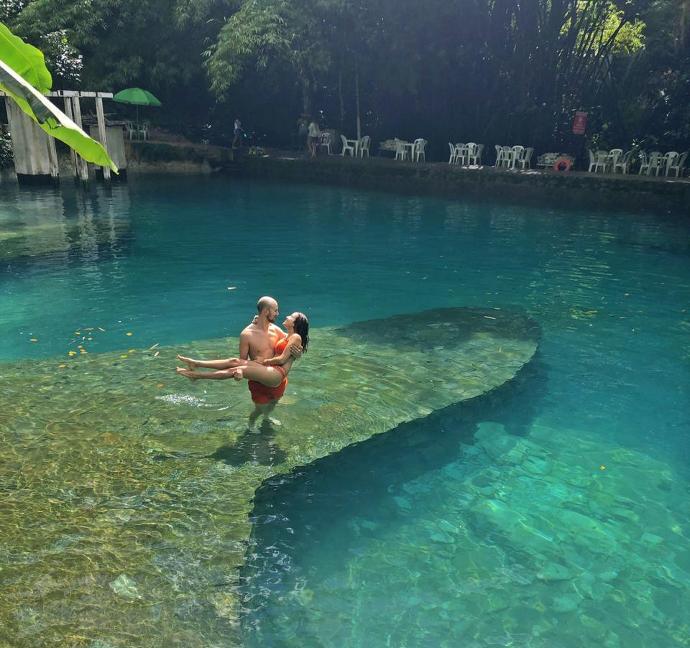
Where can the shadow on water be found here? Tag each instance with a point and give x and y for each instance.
(257, 447)
(443, 326)
(252, 447)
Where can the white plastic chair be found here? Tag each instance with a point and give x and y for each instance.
(677, 166)
(644, 164)
(614, 156)
(400, 150)
(656, 161)
(526, 162)
(601, 160)
(472, 154)
(516, 154)
(461, 154)
(451, 159)
(522, 157)
(347, 147)
(597, 161)
(325, 142)
(668, 160)
(507, 157)
(418, 149)
(622, 164)
(364, 144)
(499, 156)
(480, 152)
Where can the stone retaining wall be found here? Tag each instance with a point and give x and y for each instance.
(169, 157)
(579, 190)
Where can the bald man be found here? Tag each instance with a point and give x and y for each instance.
(257, 342)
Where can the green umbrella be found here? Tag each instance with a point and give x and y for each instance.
(136, 97)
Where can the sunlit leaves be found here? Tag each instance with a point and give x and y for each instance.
(263, 31)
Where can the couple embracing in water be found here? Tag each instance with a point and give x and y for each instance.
(267, 354)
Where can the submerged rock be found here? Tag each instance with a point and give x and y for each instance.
(125, 587)
(554, 572)
(651, 539)
(567, 603)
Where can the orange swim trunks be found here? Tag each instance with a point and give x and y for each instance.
(262, 394)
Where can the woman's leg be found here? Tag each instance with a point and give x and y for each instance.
(268, 376)
(212, 364)
(224, 374)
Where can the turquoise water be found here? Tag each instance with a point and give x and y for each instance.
(388, 544)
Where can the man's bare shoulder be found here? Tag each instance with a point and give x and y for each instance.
(248, 330)
(274, 328)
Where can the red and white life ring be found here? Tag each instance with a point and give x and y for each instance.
(562, 164)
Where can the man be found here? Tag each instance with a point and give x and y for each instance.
(257, 342)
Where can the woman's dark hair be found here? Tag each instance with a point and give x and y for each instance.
(302, 329)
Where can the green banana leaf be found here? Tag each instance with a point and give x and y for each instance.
(24, 76)
(26, 60)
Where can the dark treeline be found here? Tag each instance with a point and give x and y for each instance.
(491, 71)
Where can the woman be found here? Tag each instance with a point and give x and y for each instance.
(314, 133)
(270, 372)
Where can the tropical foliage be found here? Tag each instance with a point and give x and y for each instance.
(25, 78)
(489, 70)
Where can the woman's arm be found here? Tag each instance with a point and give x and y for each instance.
(286, 355)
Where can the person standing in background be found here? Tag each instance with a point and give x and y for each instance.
(237, 134)
(302, 131)
(313, 137)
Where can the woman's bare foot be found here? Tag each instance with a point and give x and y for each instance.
(188, 361)
(186, 372)
(237, 374)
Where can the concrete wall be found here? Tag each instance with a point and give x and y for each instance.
(115, 144)
(168, 157)
(34, 151)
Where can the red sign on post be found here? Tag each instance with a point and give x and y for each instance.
(580, 123)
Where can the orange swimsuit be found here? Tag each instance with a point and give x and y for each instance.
(263, 394)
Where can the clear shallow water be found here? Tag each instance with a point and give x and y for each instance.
(348, 552)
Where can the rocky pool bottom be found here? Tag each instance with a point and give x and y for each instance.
(552, 538)
(127, 491)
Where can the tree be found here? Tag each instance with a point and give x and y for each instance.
(487, 70)
(265, 31)
(155, 44)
